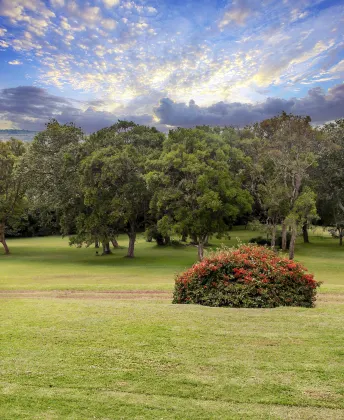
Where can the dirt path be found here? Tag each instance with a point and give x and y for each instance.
(323, 298)
(86, 294)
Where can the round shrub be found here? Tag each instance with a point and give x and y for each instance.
(250, 276)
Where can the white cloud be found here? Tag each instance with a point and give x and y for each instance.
(109, 24)
(3, 44)
(338, 68)
(110, 3)
(57, 3)
(239, 12)
(15, 63)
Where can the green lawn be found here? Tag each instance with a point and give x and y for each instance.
(50, 264)
(142, 357)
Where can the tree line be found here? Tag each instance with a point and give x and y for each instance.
(192, 182)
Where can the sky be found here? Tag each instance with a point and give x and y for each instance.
(169, 63)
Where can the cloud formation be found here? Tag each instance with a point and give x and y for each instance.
(125, 55)
(31, 107)
(320, 106)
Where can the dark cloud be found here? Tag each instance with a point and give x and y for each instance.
(25, 104)
(31, 107)
(320, 106)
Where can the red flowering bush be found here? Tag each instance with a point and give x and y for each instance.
(250, 276)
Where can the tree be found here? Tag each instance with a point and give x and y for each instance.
(194, 189)
(330, 179)
(293, 149)
(12, 185)
(304, 211)
(113, 183)
(53, 161)
(272, 195)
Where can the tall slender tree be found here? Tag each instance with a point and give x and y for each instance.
(13, 184)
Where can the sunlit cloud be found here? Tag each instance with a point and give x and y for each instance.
(15, 63)
(126, 55)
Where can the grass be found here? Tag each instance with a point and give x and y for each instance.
(92, 358)
(50, 264)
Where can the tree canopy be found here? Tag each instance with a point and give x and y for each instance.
(191, 183)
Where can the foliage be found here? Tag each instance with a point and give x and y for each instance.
(330, 179)
(250, 277)
(53, 161)
(113, 183)
(13, 184)
(195, 191)
(259, 240)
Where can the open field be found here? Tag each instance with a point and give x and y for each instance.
(50, 264)
(86, 337)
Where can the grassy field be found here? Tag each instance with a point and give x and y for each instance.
(50, 264)
(87, 337)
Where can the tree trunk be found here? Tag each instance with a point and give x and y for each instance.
(273, 236)
(305, 233)
(340, 239)
(200, 250)
(106, 248)
(115, 243)
(96, 245)
(132, 239)
(194, 240)
(2, 238)
(206, 241)
(184, 237)
(284, 236)
(292, 243)
(160, 240)
(167, 240)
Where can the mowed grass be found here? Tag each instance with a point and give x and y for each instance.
(111, 359)
(50, 264)
(144, 358)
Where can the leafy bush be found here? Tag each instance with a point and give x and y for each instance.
(279, 240)
(259, 240)
(249, 277)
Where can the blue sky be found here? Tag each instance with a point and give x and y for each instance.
(169, 63)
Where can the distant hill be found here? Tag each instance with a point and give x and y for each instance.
(24, 135)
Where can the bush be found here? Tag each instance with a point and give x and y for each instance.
(259, 240)
(248, 277)
(279, 240)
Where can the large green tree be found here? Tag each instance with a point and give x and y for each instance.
(113, 182)
(13, 184)
(53, 161)
(194, 188)
(330, 179)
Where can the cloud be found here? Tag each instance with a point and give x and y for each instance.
(320, 106)
(240, 11)
(15, 62)
(110, 3)
(30, 108)
(123, 49)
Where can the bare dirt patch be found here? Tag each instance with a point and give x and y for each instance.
(77, 294)
(337, 298)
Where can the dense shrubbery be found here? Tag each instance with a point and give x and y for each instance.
(250, 276)
(259, 240)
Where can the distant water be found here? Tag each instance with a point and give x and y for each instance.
(23, 135)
